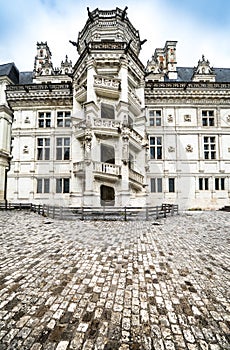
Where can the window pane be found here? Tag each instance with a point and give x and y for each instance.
(158, 121)
(40, 142)
(47, 153)
(47, 142)
(159, 153)
(67, 122)
(171, 185)
(66, 153)
(59, 153)
(151, 121)
(159, 185)
(41, 123)
(153, 185)
(66, 141)
(152, 153)
(206, 184)
(159, 140)
(59, 185)
(39, 185)
(46, 185)
(200, 184)
(48, 123)
(59, 141)
(216, 184)
(222, 183)
(152, 140)
(40, 154)
(66, 186)
(60, 123)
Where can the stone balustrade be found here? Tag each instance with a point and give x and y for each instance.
(107, 168)
(78, 166)
(135, 176)
(104, 82)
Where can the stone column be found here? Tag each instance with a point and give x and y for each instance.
(89, 177)
(125, 171)
(91, 96)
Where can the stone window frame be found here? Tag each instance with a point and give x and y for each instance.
(63, 119)
(203, 183)
(62, 148)
(156, 185)
(43, 148)
(156, 147)
(209, 145)
(44, 119)
(220, 183)
(155, 117)
(63, 185)
(208, 117)
(43, 185)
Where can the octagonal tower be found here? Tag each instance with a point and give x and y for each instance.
(108, 115)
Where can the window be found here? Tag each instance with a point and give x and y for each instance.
(107, 111)
(63, 119)
(43, 185)
(44, 119)
(203, 184)
(219, 183)
(62, 185)
(209, 147)
(63, 148)
(171, 184)
(156, 185)
(208, 118)
(155, 147)
(155, 118)
(43, 149)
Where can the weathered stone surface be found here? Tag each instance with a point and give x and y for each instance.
(115, 285)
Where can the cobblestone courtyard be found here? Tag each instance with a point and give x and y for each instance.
(115, 285)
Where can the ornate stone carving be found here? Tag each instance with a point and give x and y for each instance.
(187, 118)
(171, 149)
(170, 118)
(189, 148)
(25, 150)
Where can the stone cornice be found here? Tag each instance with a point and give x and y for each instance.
(37, 94)
(187, 85)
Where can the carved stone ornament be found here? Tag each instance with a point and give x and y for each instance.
(189, 148)
(27, 120)
(171, 149)
(228, 118)
(187, 118)
(170, 118)
(25, 150)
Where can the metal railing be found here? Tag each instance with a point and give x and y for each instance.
(96, 213)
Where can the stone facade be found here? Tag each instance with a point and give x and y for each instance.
(8, 75)
(109, 131)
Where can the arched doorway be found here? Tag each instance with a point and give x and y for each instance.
(107, 195)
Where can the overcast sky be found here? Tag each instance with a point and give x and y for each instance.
(199, 26)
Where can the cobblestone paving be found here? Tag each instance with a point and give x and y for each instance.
(115, 285)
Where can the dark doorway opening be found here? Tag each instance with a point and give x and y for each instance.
(107, 196)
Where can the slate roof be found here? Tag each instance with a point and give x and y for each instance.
(11, 71)
(25, 77)
(185, 74)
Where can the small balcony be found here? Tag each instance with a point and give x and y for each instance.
(134, 102)
(107, 171)
(79, 168)
(136, 179)
(107, 86)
